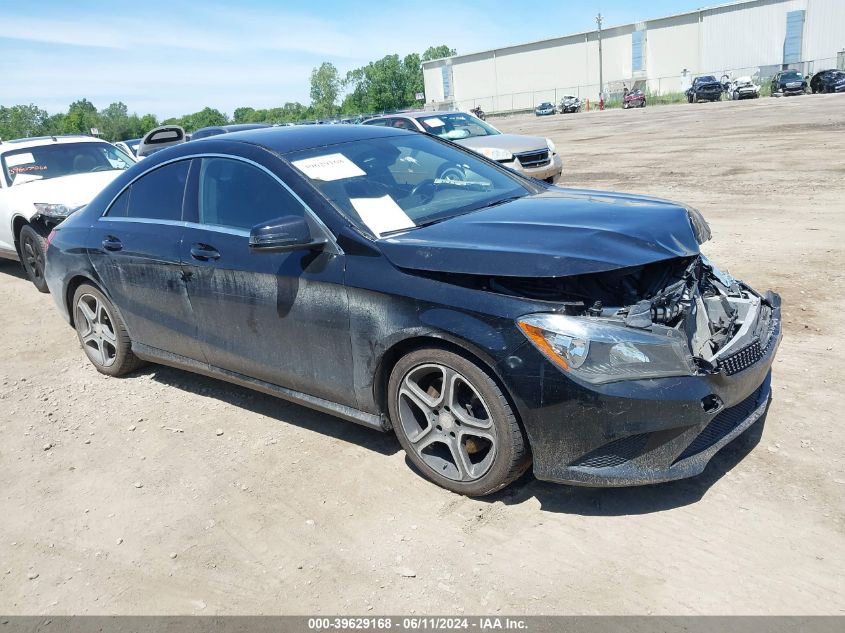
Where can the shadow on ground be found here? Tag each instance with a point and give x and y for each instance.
(12, 269)
(633, 500)
(274, 408)
(552, 497)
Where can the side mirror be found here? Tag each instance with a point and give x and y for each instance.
(288, 233)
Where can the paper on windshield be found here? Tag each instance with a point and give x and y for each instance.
(13, 160)
(381, 214)
(328, 167)
(434, 122)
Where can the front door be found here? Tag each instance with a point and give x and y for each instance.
(279, 317)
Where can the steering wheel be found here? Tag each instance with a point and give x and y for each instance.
(425, 190)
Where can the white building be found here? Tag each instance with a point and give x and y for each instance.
(749, 37)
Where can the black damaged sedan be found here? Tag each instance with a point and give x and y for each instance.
(402, 282)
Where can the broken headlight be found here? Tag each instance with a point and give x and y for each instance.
(55, 211)
(598, 351)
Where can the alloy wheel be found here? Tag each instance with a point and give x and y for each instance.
(33, 258)
(96, 330)
(447, 422)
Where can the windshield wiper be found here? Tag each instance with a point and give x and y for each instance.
(496, 203)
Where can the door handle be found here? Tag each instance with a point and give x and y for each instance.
(111, 243)
(204, 252)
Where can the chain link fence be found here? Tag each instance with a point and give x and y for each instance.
(668, 89)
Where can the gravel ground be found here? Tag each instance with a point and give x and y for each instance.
(169, 493)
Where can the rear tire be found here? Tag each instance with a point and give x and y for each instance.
(102, 333)
(455, 423)
(33, 247)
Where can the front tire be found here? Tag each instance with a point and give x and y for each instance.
(33, 247)
(102, 333)
(455, 423)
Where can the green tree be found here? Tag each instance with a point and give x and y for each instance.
(244, 115)
(436, 52)
(325, 88)
(80, 118)
(21, 121)
(114, 122)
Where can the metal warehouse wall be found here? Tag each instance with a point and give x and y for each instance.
(746, 36)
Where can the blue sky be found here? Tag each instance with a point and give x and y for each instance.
(171, 58)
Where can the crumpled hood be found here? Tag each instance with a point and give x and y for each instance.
(553, 234)
(74, 190)
(514, 143)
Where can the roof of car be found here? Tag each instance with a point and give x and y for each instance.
(295, 138)
(35, 141)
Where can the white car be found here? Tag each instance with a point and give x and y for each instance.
(42, 181)
(129, 146)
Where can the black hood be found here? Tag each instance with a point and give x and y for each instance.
(553, 234)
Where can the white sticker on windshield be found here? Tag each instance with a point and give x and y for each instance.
(329, 167)
(382, 214)
(434, 122)
(13, 160)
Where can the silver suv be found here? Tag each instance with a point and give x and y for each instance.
(529, 155)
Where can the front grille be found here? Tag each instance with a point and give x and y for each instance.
(748, 355)
(743, 358)
(615, 453)
(539, 158)
(721, 425)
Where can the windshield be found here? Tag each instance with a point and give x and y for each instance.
(456, 126)
(133, 144)
(387, 185)
(791, 75)
(706, 79)
(61, 159)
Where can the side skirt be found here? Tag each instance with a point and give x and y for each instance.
(162, 357)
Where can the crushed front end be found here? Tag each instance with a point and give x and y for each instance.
(640, 375)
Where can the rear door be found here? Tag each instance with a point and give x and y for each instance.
(137, 259)
(280, 317)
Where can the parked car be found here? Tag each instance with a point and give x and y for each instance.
(569, 103)
(486, 318)
(42, 181)
(831, 80)
(529, 155)
(634, 99)
(129, 146)
(788, 82)
(743, 88)
(205, 132)
(544, 109)
(705, 88)
(160, 138)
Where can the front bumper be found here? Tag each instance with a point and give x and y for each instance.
(552, 169)
(709, 95)
(634, 432)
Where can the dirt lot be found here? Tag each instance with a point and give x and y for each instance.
(139, 506)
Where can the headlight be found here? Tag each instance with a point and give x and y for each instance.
(551, 145)
(598, 352)
(56, 211)
(494, 153)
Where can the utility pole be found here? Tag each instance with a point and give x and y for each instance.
(601, 78)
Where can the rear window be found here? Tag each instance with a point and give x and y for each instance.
(156, 195)
(61, 159)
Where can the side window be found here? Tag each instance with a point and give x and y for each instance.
(154, 196)
(404, 124)
(379, 122)
(238, 195)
